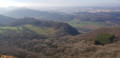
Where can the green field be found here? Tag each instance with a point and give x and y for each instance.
(84, 25)
(78, 23)
(39, 30)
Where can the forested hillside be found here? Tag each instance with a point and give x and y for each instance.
(23, 41)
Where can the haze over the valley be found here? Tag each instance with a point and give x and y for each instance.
(59, 3)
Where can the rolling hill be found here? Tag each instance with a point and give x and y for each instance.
(42, 27)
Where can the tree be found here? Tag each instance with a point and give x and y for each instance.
(103, 39)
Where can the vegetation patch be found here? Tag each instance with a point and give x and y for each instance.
(103, 39)
(2, 29)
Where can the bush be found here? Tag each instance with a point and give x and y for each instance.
(103, 39)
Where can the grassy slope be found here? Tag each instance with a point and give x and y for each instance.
(40, 30)
(2, 29)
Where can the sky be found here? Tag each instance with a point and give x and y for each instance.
(58, 3)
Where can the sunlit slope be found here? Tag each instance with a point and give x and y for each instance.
(41, 30)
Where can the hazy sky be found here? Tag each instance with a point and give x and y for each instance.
(58, 3)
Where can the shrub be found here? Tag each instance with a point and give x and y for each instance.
(103, 39)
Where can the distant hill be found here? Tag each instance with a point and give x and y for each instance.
(5, 19)
(98, 17)
(34, 24)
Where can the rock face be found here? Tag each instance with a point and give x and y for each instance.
(6, 56)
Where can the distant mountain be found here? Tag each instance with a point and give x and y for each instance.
(26, 12)
(6, 19)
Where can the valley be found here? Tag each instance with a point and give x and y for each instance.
(27, 33)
